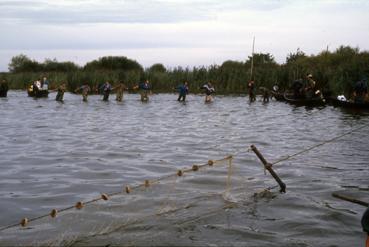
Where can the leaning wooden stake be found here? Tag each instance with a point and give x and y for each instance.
(268, 167)
(350, 199)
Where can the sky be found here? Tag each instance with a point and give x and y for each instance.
(178, 32)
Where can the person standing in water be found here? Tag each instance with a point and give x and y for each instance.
(183, 91)
(60, 94)
(251, 87)
(4, 88)
(106, 89)
(265, 93)
(209, 90)
(119, 91)
(145, 89)
(85, 89)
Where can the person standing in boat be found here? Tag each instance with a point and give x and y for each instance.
(251, 88)
(298, 88)
(209, 90)
(36, 86)
(85, 89)
(45, 84)
(106, 89)
(119, 91)
(310, 88)
(61, 91)
(276, 92)
(361, 91)
(4, 88)
(183, 91)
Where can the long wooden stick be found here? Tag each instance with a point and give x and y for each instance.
(268, 167)
(252, 59)
(350, 199)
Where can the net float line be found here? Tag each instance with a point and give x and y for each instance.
(148, 183)
(125, 190)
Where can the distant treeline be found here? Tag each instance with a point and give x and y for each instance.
(334, 72)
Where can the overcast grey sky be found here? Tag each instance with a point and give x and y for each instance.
(178, 32)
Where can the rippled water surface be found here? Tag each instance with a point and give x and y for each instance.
(55, 154)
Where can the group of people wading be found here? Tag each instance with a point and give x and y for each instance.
(106, 89)
(300, 89)
(144, 89)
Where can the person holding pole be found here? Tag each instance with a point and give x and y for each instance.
(251, 87)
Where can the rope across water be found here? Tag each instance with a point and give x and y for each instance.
(319, 144)
(147, 183)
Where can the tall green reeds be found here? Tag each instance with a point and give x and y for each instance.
(334, 72)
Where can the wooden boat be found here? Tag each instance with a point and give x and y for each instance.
(314, 101)
(38, 93)
(3, 93)
(277, 95)
(349, 104)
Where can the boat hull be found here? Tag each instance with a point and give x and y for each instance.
(38, 94)
(318, 101)
(3, 94)
(349, 104)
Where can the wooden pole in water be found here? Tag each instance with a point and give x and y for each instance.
(350, 199)
(268, 167)
(252, 59)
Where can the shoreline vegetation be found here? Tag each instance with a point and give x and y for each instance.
(335, 72)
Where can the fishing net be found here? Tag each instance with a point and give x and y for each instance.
(148, 213)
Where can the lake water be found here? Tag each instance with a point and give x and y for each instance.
(56, 154)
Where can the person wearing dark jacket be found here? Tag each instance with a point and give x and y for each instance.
(298, 87)
(183, 91)
(251, 87)
(106, 88)
(145, 89)
(360, 91)
(4, 88)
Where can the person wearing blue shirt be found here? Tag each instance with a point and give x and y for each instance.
(144, 88)
(45, 84)
(183, 91)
